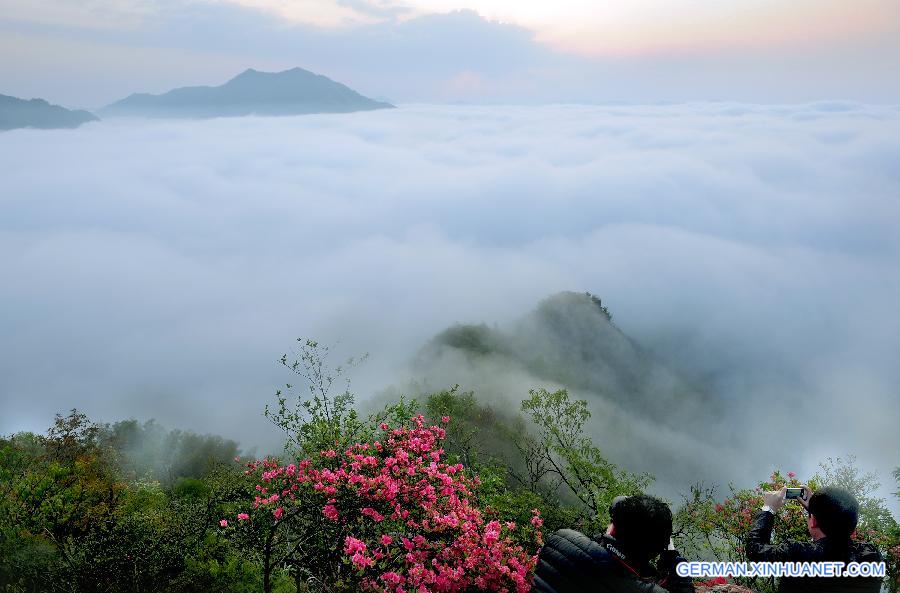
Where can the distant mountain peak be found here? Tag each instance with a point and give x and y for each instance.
(252, 92)
(253, 72)
(38, 113)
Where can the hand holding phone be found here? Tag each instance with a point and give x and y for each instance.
(802, 496)
(795, 493)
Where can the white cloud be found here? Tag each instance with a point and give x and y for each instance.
(159, 268)
(407, 56)
(89, 14)
(322, 13)
(628, 28)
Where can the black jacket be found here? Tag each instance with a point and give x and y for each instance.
(571, 562)
(760, 550)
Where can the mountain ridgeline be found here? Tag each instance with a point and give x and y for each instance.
(38, 113)
(647, 415)
(570, 340)
(291, 92)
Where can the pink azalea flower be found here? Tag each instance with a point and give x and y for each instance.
(330, 512)
(401, 483)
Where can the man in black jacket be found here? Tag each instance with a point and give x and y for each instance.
(832, 516)
(618, 561)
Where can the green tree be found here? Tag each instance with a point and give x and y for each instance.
(58, 489)
(561, 455)
(316, 418)
(876, 523)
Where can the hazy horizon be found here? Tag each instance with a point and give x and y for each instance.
(477, 51)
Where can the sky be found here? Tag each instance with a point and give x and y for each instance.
(159, 268)
(89, 53)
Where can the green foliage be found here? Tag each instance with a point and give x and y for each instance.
(597, 303)
(190, 489)
(561, 455)
(315, 418)
(472, 339)
(478, 436)
(876, 523)
(148, 451)
(57, 489)
(228, 571)
(396, 414)
(541, 459)
(70, 521)
(516, 504)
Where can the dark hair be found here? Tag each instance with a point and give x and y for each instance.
(836, 511)
(643, 525)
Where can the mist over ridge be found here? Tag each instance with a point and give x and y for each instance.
(163, 266)
(647, 416)
(569, 339)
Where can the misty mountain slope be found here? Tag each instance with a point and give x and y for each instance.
(38, 113)
(570, 340)
(291, 92)
(646, 416)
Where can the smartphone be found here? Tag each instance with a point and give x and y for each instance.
(795, 493)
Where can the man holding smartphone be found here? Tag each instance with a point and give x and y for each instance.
(832, 514)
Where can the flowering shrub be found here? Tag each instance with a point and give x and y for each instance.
(391, 516)
(888, 541)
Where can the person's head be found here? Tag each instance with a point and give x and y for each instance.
(833, 513)
(642, 525)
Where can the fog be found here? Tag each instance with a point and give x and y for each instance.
(160, 268)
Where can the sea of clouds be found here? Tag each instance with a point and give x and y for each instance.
(160, 268)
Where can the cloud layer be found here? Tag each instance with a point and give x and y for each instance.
(158, 269)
